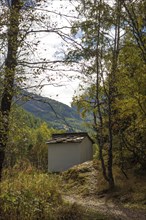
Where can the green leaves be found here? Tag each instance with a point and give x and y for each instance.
(29, 196)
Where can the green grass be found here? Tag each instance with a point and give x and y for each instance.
(30, 195)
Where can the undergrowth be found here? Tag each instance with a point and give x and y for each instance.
(28, 194)
(130, 191)
(87, 180)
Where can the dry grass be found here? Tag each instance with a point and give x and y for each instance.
(87, 180)
(81, 179)
(27, 194)
(131, 191)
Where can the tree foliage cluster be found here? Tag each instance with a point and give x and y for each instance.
(111, 54)
(27, 140)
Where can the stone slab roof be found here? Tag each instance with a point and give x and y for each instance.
(68, 138)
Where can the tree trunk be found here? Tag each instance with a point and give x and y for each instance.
(99, 131)
(9, 77)
(110, 148)
(112, 94)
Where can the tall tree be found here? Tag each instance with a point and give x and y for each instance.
(9, 75)
(22, 24)
(101, 51)
(112, 90)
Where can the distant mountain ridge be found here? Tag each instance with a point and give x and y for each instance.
(57, 114)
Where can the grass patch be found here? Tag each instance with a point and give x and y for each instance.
(80, 179)
(30, 195)
(130, 192)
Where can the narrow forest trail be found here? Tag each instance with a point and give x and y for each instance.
(110, 209)
(80, 185)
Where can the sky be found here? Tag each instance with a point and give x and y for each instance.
(63, 88)
(67, 88)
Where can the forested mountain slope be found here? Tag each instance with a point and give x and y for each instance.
(57, 114)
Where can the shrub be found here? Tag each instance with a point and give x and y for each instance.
(29, 196)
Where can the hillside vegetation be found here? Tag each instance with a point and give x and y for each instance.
(28, 194)
(57, 114)
(27, 139)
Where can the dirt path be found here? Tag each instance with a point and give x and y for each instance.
(107, 208)
(86, 176)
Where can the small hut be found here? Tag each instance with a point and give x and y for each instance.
(68, 149)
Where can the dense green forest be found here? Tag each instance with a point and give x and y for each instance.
(106, 46)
